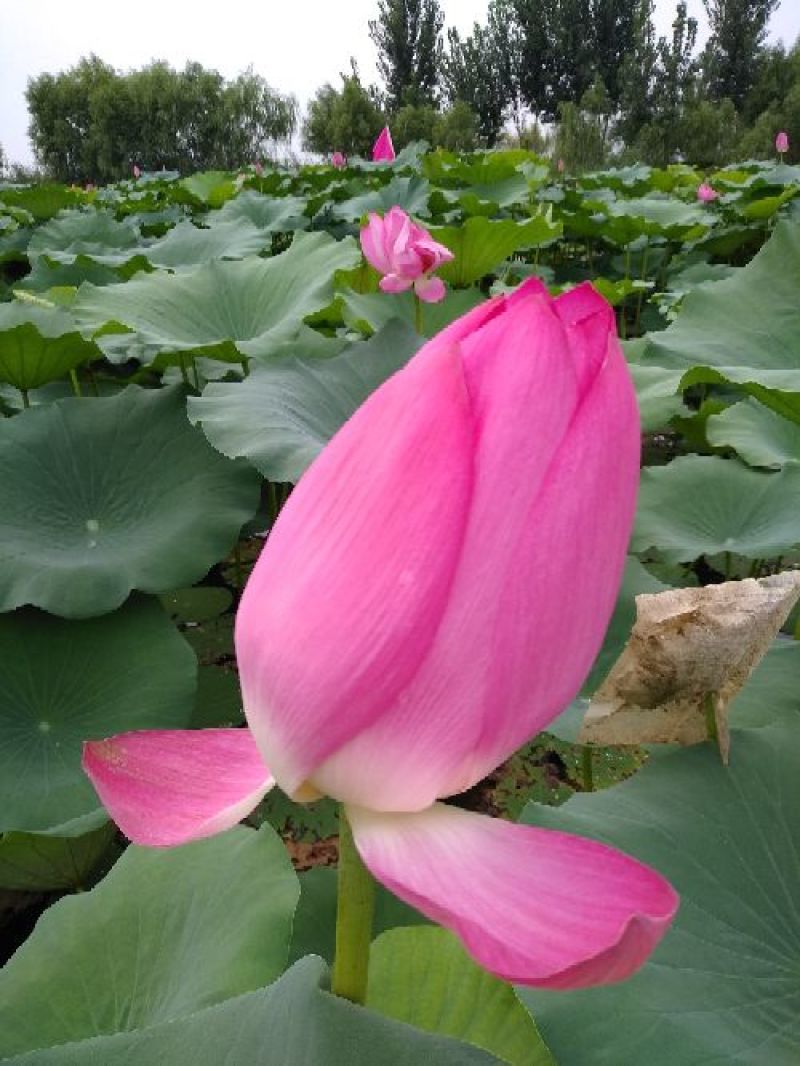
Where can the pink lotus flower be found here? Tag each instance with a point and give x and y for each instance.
(395, 645)
(338, 160)
(706, 194)
(782, 142)
(136, 172)
(258, 168)
(383, 149)
(405, 254)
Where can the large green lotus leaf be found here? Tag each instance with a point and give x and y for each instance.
(759, 435)
(701, 505)
(210, 187)
(371, 311)
(43, 201)
(224, 308)
(314, 929)
(102, 496)
(284, 413)
(67, 682)
(750, 320)
(662, 217)
(411, 194)
(32, 862)
(46, 275)
(293, 1022)
(270, 214)
(167, 933)
(480, 245)
(658, 395)
(187, 246)
(724, 985)
(93, 233)
(39, 344)
(422, 975)
(772, 693)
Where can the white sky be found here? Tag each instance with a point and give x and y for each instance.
(297, 45)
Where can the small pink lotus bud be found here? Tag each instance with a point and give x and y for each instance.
(136, 172)
(782, 142)
(383, 149)
(706, 194)
(338, 160)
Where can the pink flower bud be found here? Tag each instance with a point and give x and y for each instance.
(782, 142)
(136, 172)
(383, 149)
(706, 194)
(338, 160)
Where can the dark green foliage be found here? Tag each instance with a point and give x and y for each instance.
(472, 73)
(92, 124)
(735, 46)
(408, 36)
(343, 120)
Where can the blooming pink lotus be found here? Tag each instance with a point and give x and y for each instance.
(395, 645)
(338, 160)
(383, 149)
(405, 254)
(706, 194)
(782, 142)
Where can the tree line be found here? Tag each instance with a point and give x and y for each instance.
(587, 80)
(593, 71)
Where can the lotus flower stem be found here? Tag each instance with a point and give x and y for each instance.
(76, 385)
(354, 910)
(587, 769)
(418, 315)
(26, 402)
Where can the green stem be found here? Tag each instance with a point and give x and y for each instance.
(588, 772)
(354, 909)
(76, 385)
(26, 400)
(184, 373)
(195, 375)
(711, 718)
(418, 314)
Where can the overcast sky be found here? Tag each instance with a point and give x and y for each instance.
(297, 45)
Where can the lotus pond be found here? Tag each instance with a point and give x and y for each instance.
(174, 354)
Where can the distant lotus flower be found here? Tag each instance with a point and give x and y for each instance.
(258, 168)
(383, 149)
(338, 160)
(405, 254)
(395, 645)
(136, 172)
(706, 194)
(782, 142)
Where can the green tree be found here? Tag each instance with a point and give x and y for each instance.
(346, 120)
(637, 76)
(471, 74)
(457, 130)
(738, 33)
(415, 122)
(408, 36)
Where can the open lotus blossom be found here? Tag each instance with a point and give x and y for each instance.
(338, 160)
(405, 254)
(383, 149)
(782, 142)
(396, 645)
(706, 194)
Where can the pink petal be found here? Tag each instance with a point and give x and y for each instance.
(373, 244)
(383, 149)
(351, 585)
(166, 787)
(533, 906)
(556, 467)
(430, 290)
(394, 283)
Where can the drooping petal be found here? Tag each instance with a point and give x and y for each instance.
(550, 516)
(430, 290)
(393, 283)
(351, 585)
(167, 787)
(534, 906)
